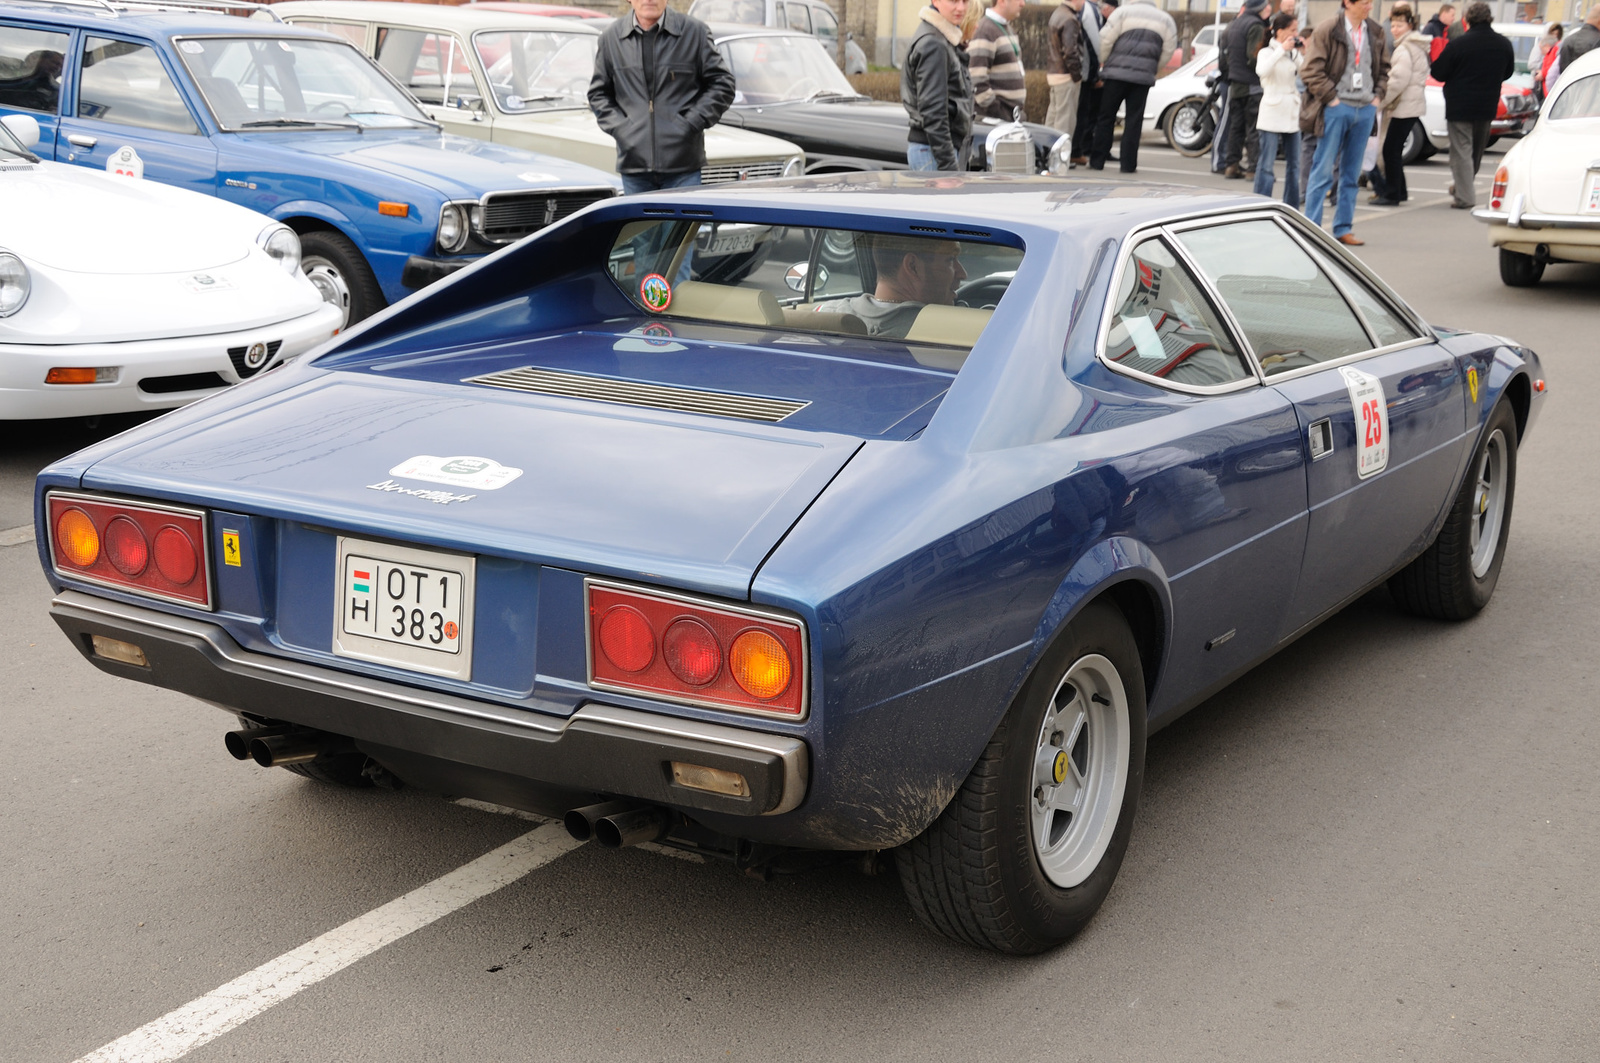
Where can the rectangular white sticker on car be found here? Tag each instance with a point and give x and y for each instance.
(1372, 421)
(1591, 195)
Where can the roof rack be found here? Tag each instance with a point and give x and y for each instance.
(115, 7)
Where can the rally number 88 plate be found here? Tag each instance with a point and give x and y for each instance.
(403, 606)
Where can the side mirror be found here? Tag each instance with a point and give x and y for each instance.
(468, 101)
(23, 127)
(795, 278)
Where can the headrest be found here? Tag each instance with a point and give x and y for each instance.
(814, 319)
(721, 302)
(957, 326)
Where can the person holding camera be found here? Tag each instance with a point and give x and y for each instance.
(1278, 67)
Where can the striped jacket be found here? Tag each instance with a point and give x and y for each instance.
(996, 66)
(1137, 41)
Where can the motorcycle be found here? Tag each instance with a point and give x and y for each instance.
(1192, 124)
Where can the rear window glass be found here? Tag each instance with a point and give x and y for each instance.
(922, 290)
(1581, 99)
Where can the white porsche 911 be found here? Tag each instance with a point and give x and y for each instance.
(1544, 206)
(119, 294)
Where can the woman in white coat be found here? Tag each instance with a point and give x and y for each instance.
(1279, 119)
(1403, 103)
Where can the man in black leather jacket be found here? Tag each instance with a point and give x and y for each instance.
(658, 84)
(937, 90)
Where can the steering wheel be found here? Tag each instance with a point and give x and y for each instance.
(803, 88)
(328, 105)
(982, 292)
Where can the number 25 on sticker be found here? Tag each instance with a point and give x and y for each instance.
(1371, 410)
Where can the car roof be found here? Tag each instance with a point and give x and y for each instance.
(434, 16)
(719, 30)
(971, 204)
(547, 10)
(151, 21)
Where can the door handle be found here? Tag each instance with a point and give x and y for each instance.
(87, 143)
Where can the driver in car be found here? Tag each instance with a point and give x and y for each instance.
(912, 273)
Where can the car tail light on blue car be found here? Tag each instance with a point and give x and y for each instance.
(158, 551)
(701, 653)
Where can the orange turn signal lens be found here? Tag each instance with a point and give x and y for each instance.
(394, 210)
(60, 375)
(77, 537)
(760, 665)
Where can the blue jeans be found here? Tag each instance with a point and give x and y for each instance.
(1345, 130)
(920, 157)
(634, 183)
(1267, 159)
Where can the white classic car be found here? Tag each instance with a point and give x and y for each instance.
(514, 79)
(1545, 203)
(118, 294)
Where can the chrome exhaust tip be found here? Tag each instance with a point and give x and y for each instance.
(580, 822)
(633, 827)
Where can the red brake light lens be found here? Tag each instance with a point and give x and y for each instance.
(626, 639)
(126, 546)
(153, 550)
(1497, 191)
(692, 652)
(703, 653)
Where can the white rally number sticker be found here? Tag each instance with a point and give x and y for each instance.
(1372, 421)
(125, 162)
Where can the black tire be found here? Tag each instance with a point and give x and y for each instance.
(974, 875)
(1411, 151)
(1444, 583)
(1189, 126)
(1518, 270)
(341, 274)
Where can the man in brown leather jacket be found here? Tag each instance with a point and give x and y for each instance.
(1345, 73)
(1065, 72)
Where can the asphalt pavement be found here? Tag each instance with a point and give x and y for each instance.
(1381, 844)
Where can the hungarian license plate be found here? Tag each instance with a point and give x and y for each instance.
(404, 606)
(732, 240)
(1591, 194)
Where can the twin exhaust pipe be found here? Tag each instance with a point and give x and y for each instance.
(273, 747)
(614, 824)
(617, 824)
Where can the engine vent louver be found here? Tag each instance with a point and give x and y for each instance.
(633, 393)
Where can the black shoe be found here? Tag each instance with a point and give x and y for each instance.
(1456, 204)
(1383, 201)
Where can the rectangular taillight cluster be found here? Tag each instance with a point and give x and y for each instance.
(684, 649)
(155, 550)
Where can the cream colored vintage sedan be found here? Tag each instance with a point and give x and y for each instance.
(515, 79)
(1545, 203)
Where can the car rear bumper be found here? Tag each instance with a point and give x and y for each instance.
(155, 363)
(1516, 219)
(600, 749)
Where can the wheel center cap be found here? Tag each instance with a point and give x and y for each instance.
(1059, 769)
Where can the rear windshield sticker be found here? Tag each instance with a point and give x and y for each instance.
(655, 292)
(1372, 421)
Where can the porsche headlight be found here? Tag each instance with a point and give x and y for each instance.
(1060, 156)
(15, 284)
(796, 167)
(454, 227)
(282, 246)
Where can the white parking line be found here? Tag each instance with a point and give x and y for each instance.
(180, 1032)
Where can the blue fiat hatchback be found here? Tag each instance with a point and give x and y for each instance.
(297, 125)
(901, 533)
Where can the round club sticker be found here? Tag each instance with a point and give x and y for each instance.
(655, 292)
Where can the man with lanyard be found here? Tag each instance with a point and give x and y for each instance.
(659, 84)
(995, 54)
(1345, 73)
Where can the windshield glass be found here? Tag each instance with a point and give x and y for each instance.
(919, 289)
(775, 69)
(531, 70)
(262, 82)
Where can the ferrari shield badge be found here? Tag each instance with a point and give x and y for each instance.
(655, 293)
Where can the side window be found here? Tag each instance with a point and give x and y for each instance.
(353, 32)
(1165, 327)
(800, 18)
(30, 68)
(1289, 310)
(827, 28)
(1385, 324)
(1581, 99)
(125, 83)
(434, 66)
